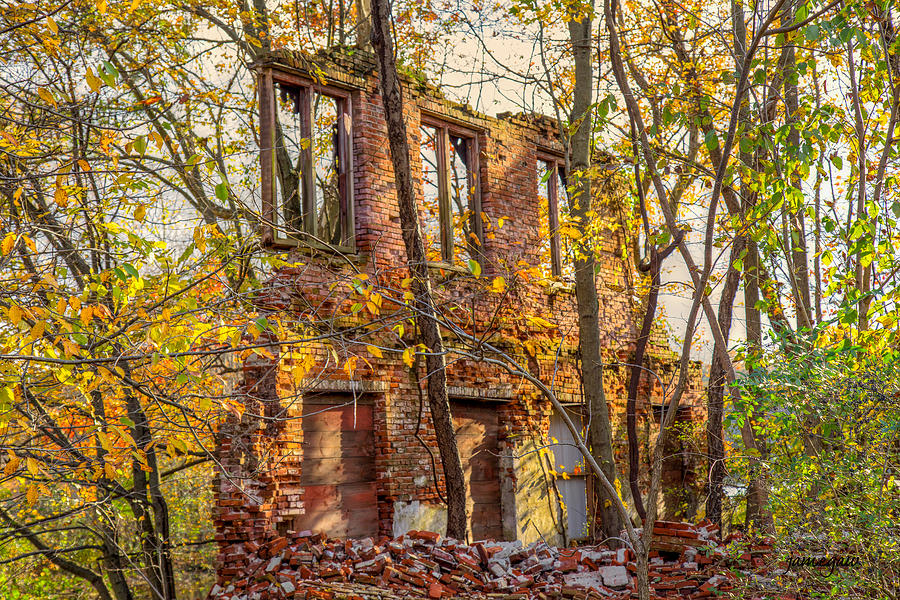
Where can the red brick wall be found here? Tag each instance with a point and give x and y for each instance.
(258, 487)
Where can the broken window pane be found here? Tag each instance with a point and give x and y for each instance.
(461, 191)
(431, 211)
(289, 145)
(325, 145)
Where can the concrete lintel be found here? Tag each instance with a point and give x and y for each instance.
(501, 393)
(343, 385)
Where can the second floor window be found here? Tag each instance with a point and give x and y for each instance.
(451, 206)
(306, 161)
(555, 245)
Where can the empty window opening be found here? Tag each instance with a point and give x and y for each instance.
(450, 208)
(306, 162)
(326, 158)
(431, 191)
(556, 251)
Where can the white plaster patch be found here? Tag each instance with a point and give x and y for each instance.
(417, 516)
(615, 576)
(587, 579)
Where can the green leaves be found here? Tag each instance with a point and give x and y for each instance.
(108, 74)
(811, 32)
(222, 192)
(711, 140)
(474, 267)
(606, 106)
(7, 398)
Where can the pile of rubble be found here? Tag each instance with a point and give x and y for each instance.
(687, 561)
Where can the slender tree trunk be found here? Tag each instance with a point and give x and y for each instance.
(817, 227)
(113, 561)
(757, 488)
(797, 218)
(363, 23)
(114, 565)
(634, 383)
(600, 431)
(426, 317)
(657, 257)
(715, 445)
(150, 510)
(863, 274)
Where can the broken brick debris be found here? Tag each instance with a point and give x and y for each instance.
(686, 561)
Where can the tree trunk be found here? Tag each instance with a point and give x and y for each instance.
(634, 383)
(150, 510)
(715, 444)
(363, 24)
(757, 488)
(863, 274)
(798, 246)
(421, 284)
(657, 257)
(600, 432)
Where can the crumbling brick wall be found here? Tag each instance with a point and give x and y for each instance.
(258, 488)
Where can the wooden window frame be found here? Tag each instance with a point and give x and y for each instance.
(445, 129)
(272, 230)
(552, 206)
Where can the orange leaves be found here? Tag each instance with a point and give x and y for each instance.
(12, 142)
(374, 304)
(539, 322)
(94, 82)
(12, 465)
(71, 349)
(350, 366)
(32, 495)
(15, 314)
(371, 300)
(7, 244)
(99, 311)
(301, 363)
(61, 197)
(47, 96)
(37, 330)
(409, 356)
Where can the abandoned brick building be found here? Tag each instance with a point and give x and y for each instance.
(335, 435)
